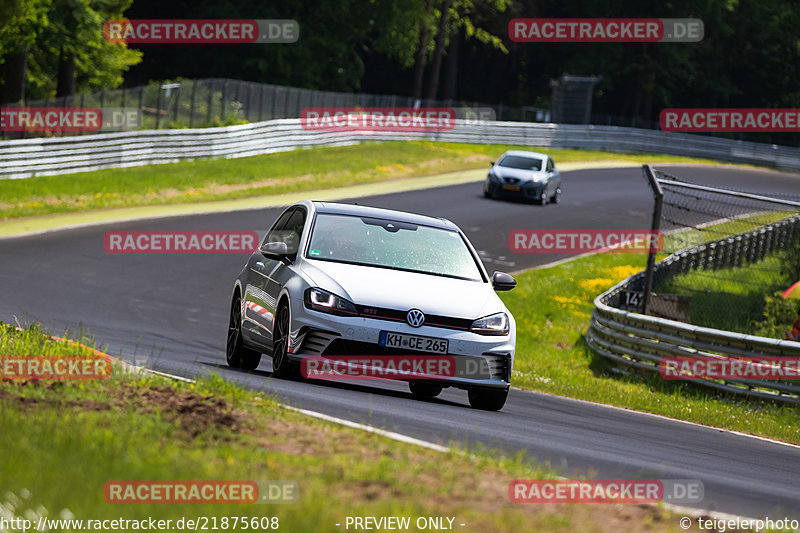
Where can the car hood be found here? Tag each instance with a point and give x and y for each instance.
(523, 175)
(400, 290)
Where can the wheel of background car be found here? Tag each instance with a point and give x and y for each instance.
(237, 355)
(281, 365)
(556, 196)
(486, 399)
(424, 390)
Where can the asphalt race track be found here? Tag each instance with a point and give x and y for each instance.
(170, 312)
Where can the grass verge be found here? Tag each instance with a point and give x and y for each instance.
(63, 440)
(299, 170)
(552, 308)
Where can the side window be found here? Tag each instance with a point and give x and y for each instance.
(294, 230)
(550, 165)
(274, 233)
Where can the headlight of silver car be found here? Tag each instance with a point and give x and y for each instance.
(327, 302)
(496, 324)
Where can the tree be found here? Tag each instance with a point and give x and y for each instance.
(20, 22)
(71, 54)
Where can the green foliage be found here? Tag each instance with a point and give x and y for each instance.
(75, 29)
(20, 22)
(778, 315)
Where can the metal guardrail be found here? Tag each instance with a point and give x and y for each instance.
(636, 341)
(48, 156)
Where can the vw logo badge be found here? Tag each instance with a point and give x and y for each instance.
(415, 318)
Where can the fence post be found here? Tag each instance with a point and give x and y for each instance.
(191, 106)
(158, 106)
(210, 102)
(658, 195)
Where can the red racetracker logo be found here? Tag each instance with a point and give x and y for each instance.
(180, 242)
(378, 366)
(201, 31)
(189, 492)
(605, 30)
(730, 120)
(51, 119)
(586, 490)
(54, 367)
(69, 119)
(731, 369)
(584, 241)
(606, 490)
(378, 118)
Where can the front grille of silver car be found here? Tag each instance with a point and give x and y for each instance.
(498, 365)
(315, 342)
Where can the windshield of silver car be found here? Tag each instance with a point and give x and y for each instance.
(391, 244)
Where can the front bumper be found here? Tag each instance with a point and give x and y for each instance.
(530, 190)
(482, 361)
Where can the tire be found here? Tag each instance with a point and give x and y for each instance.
(556, 198)
(487, 400)
(236, 353)
(424, 390)
(282, 367)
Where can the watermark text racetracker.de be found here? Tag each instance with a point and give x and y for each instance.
(180, 242)
(606, 491)
(761, 368)
(219, 31)
(200, 492)
(605, 30)
(730, 120)
(393, 118)
(69, 119)
(585, 241)
(55, 367)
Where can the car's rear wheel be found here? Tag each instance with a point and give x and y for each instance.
(556, 196)
(236, 353)
(281, 365)
(424, 390)
(488, 400)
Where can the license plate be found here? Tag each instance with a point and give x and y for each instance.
(413, 342)
(511, 187)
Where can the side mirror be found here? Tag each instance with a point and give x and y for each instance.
(503, 282)
(274, 250)
(491, 163)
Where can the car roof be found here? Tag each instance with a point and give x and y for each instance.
(527, 154)
(377, 212)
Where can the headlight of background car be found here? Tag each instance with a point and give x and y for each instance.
(327, 302)
(496, 324)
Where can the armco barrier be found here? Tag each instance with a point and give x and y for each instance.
(633, 340)
(61, 155)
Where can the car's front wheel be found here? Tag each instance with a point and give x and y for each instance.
(237, 354)
(488, 400)
(543, 198)
(281, 365)
(424, 390)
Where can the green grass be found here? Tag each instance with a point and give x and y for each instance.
(732, 298)
(299, 170)
(63, 440)
(552, 308)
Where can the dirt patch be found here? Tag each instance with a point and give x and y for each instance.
(195, 413)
